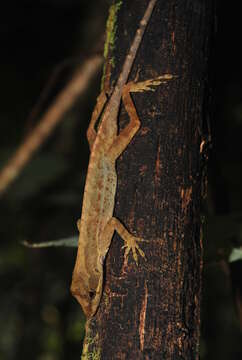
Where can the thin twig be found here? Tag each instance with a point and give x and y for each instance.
(68, 242)
(50, 119)
(34, 113)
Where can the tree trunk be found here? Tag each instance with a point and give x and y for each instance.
(152, 311)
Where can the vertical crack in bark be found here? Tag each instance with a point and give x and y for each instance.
(142, 319)
(158, 165)
(186, 195)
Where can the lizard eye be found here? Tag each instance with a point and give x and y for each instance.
(92, 294)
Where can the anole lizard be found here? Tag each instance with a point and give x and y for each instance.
(97, 223)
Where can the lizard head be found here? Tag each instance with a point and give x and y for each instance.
(88, 293)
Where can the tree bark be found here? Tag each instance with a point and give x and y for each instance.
(152, 311)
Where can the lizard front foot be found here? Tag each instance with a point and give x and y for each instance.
(131, 244)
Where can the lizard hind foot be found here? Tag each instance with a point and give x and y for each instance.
(131, 244)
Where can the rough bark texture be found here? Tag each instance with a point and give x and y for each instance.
(153, 311)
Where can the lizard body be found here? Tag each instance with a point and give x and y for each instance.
(97, 224)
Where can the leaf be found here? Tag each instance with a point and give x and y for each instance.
(235, 255)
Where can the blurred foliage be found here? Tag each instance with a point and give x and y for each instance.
(38, 318)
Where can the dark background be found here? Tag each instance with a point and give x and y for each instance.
(38, 317)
